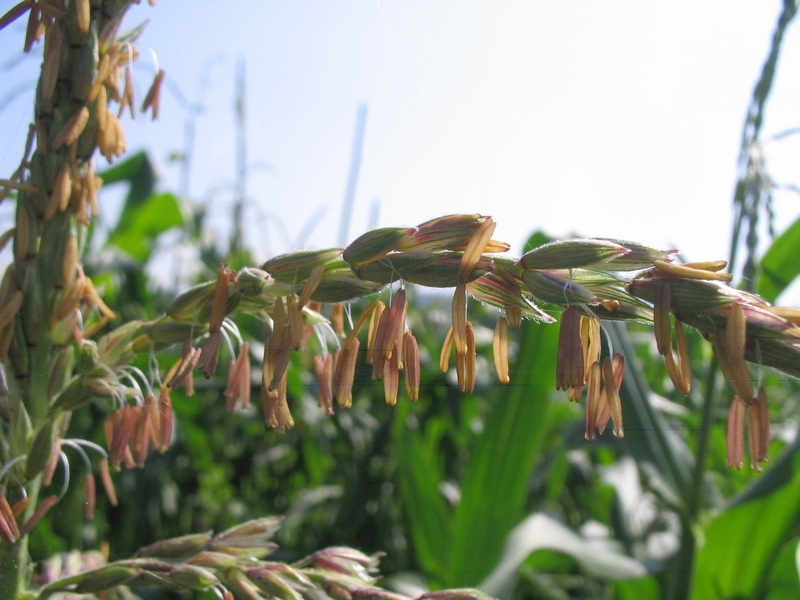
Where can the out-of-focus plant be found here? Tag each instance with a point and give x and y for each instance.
(50, 310)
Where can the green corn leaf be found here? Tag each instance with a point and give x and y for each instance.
(430, 518)
(136, 232)
(647, 433)
(139, 172)
(743, 543)
(780, 267)
(496, 482)
(541, 531)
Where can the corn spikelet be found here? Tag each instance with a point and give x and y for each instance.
(72, 129)
(52, 62)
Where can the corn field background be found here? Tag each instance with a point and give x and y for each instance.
(495, 488)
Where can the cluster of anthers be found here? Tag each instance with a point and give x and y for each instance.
(11, 529)
(584, 278)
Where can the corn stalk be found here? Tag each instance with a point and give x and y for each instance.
(56, 188)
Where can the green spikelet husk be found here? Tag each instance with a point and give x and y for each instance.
(556, 289)
(296, 267)
(178, 548)
(687, 294)
(375, 244)
(572, 254)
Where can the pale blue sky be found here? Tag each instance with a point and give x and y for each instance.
(617, 119)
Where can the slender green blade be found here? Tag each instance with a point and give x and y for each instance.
(647, 433)
(496, 482)
(430, 518)
(780, 267)
(743, 542)
(540, 531)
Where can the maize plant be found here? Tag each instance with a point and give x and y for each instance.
(61, 346)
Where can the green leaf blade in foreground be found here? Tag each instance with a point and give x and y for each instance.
(598, 557)
(780, 265)
(743, 542)
(430, 518)
(648, 435)
(496, 482)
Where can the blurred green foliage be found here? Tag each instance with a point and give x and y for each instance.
(497, 489)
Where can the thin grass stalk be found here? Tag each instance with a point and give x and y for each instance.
(754, 185)
(682, 565)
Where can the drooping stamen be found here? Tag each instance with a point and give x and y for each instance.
(52, 463)
(295, 318)
(500, 349)
(124, 422)
(661, 320)
(394, 324)
(153, 98)
(108, 484)
(680, 374)
(376, 310)
(165, 408)
(459, 317)
(735, 371)
(391, 379)
(153, 412)
(41, 510)
(281, 362)
(20, 506)
(613, 371)
(411, 361)
(683, 359)
(569, 365)
(344, 372)
(379, 344)
(447, 348)
(239, 379)
(219, 308)
(591, 343)
(759, 427)
(8, 523)
(337, 318)
(323, 368)
(593, 401)
(140, 440)
(90, 491)
(470, 359)
(182, 371)
(734, 435)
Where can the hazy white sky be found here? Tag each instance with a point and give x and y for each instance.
(618, 118)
